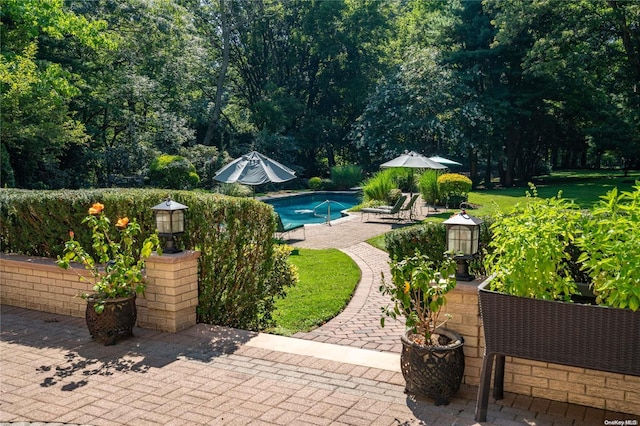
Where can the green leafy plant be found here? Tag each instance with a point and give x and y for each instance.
(529, 249)
(347, 176)
(428, 185)
(610, 245)
(454, 188)
(378, 186)
(173, 171)
(418, 293)
(116, 269)
(315, 183)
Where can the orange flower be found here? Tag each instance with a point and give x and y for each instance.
(122, 222)
(96, 209)
(71, 234)
(407, 287)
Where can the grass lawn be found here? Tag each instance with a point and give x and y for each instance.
(328, 279)
(582, 186)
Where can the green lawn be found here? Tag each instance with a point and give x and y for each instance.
(328, 279)
(583, 187)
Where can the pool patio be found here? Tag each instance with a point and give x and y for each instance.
(51, 370)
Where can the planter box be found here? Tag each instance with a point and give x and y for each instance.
(574, 334)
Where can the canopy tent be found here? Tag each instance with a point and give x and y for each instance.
(254, 169)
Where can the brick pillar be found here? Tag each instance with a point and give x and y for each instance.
(171, 295)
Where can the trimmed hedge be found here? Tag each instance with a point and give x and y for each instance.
(431, 240)
(234, 235)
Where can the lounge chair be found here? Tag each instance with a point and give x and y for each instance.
(282, 228)
(410, 206)
(385, 210)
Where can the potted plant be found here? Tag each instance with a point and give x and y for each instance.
(533, 308)
(432, 358)
(116, 272)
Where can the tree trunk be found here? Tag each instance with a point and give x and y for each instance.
(215, 115)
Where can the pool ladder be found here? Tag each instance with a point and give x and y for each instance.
(328, 216)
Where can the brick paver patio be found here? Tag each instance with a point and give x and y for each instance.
(52, 372)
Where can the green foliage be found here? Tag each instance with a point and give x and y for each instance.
(428, 185)
(234, 236)
(173, 172)
(428, 238)
(315, 183)
(346, 177)
(418, 291)
(379, 186)
(452, 184)
(116, 271)
(610, 244)
(234, 189)
(531, 249)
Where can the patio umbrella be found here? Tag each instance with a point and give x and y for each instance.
(413, 160)
(444, 161)
(254, 169)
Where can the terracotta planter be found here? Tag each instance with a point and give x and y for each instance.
(115, 322)
(574, 334)
(433, 371)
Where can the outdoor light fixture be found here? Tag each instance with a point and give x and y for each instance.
(170, 222)
(463, 234)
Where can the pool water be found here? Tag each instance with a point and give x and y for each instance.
(312, 208)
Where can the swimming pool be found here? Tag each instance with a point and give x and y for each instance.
(313, 207)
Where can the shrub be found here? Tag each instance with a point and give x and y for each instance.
(315, 183)
(345, 177)
(378, 186)
(454, 187)
(234, 236)
(174, 172)
(394, 196)
(428, 185)
(234, 189)
(429, 238)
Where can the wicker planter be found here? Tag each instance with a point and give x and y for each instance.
(432, 371)
(574, 334)
(115, 322)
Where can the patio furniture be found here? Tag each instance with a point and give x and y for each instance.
(393, 211)
(410, 206)
(282, 228)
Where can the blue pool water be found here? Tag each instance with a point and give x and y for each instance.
(312, 208)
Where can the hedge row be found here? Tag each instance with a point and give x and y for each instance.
(431, 240)
(234, 235)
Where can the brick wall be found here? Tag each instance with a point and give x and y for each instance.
(169, 303)
(610, 391)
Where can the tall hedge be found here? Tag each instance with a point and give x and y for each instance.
(234, 235)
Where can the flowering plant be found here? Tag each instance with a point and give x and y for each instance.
(417, 289)
(117, 269)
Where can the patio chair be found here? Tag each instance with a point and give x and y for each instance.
(410, 206)
(282, 228)
(393, 211)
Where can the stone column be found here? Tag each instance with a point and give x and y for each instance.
(171, 295)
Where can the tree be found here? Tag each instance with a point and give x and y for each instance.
(38, 123)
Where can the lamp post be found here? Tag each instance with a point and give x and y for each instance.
(463, 235)
(170, 222)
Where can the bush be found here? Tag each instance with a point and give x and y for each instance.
(428, 185)
(429, 238)
(379, 186)
(234, 189)
(345, 177)
(453, 188)
(173, 172)
(234, 235)
(315, 183)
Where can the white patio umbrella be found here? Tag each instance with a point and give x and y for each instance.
(444, 161)
(413, 160)
(254, 169)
